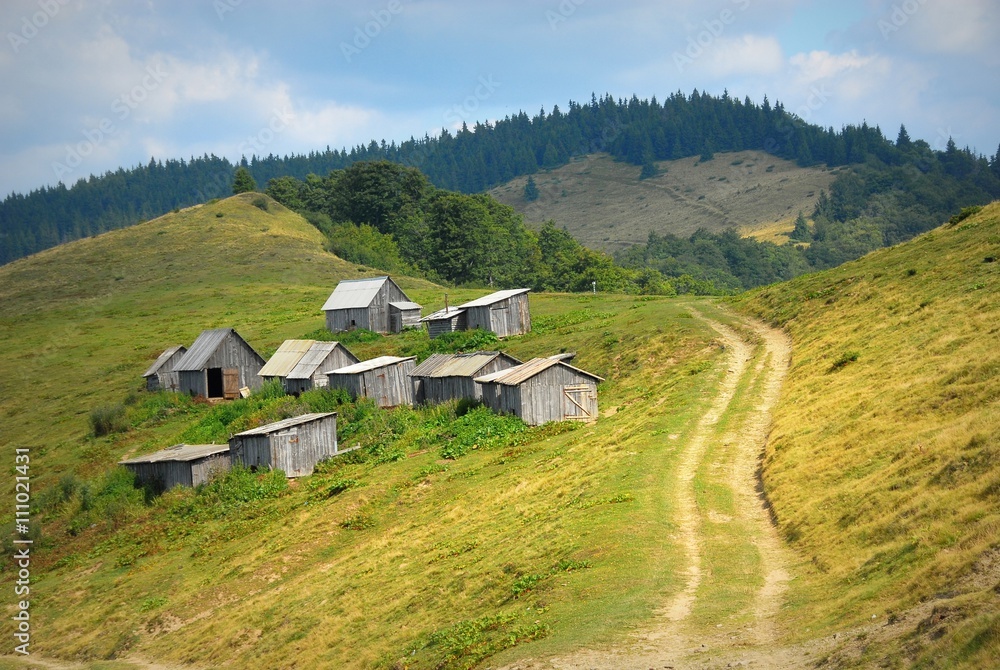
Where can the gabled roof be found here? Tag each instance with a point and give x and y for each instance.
(494, 297)
(525, 371)
(286, 423)
(180, 452)
(373, 364)
(197, 356)
(457, 365)
(285, 358)
(354, 293)
(404, 305)
(443, 314)
(312, 359)
(164, 357)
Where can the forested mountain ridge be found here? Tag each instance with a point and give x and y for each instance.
(473, 159)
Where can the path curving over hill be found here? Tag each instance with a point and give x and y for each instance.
(735, 575)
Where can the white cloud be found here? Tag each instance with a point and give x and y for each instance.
(747, 54)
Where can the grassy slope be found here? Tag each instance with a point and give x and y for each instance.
(284, 584)
(81, 322)
(882, 465)
(605, 205)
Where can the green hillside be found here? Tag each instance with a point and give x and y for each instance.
(882, 463)
(604, 204)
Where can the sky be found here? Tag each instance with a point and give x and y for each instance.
(88, 86)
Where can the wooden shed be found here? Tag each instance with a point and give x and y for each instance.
(504, 312)
(446, 320)
(542, 390)
(161, 374)
(444, 377)
(309, 371)
(293, 445)
(364, 303)
(285, 359)
(402, 315)
(384, 379)
(181, 464)
(218, 365)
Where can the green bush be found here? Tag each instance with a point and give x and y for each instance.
(108, 419)
(480, 428)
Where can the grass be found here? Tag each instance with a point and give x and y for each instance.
(749, 190)
(521, 539)
(882, 461)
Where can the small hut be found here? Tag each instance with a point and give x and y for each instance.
(542, 390)
(403, 314)
(218, 365)
(293, 445)
(308, 373)
(285, 359)
(384, 379)
(364, 303)
(446, 320)
(444, 377)
(504, 312)
(181, 464)
(161, 374)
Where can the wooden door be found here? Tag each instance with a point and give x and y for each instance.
(230, 383)
(288, 454)
(579, 402)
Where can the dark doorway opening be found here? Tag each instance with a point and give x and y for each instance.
(215, 382)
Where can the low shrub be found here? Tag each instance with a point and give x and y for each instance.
(108, 419)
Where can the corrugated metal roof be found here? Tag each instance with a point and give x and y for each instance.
(494, 297)
(285, 358)
(164, 357)
(180, 452)
(456, 365)
(441, 314)
(403, 305)
(286, 423)
(525, 371)
(202, 349)
(312, 359)
(354, 293)
(365, 366)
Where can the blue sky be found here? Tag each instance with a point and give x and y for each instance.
(91, 85)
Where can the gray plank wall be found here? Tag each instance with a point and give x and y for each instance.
(251, 451)
(169, 474)
(539, 399)
(338, 320)
(434, 390)
(338, 358)
(232, 352)
(165, 378)
(441, 326)
(388, 386)
(403, 318)
(505, 318)
(317, 440)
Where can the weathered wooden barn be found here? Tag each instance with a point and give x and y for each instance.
(293, 445)
(309, 371)
(444, 377)
(181, 464)
(161, 374)
(446, 320)
(285, 358)
(503, 312)
(542, 390)
(384, 379)
(218, 365)
(364, 303)
(402, 315)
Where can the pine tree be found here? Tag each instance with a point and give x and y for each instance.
(530, 190)
(243, 181)
(801, 232)
(903, 139)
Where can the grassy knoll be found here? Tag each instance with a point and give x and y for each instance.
(605, 205)
(540, 539)
(882, 463)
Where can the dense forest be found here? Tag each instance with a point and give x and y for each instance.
(892, 190)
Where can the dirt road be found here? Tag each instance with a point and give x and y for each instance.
(723, 450)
